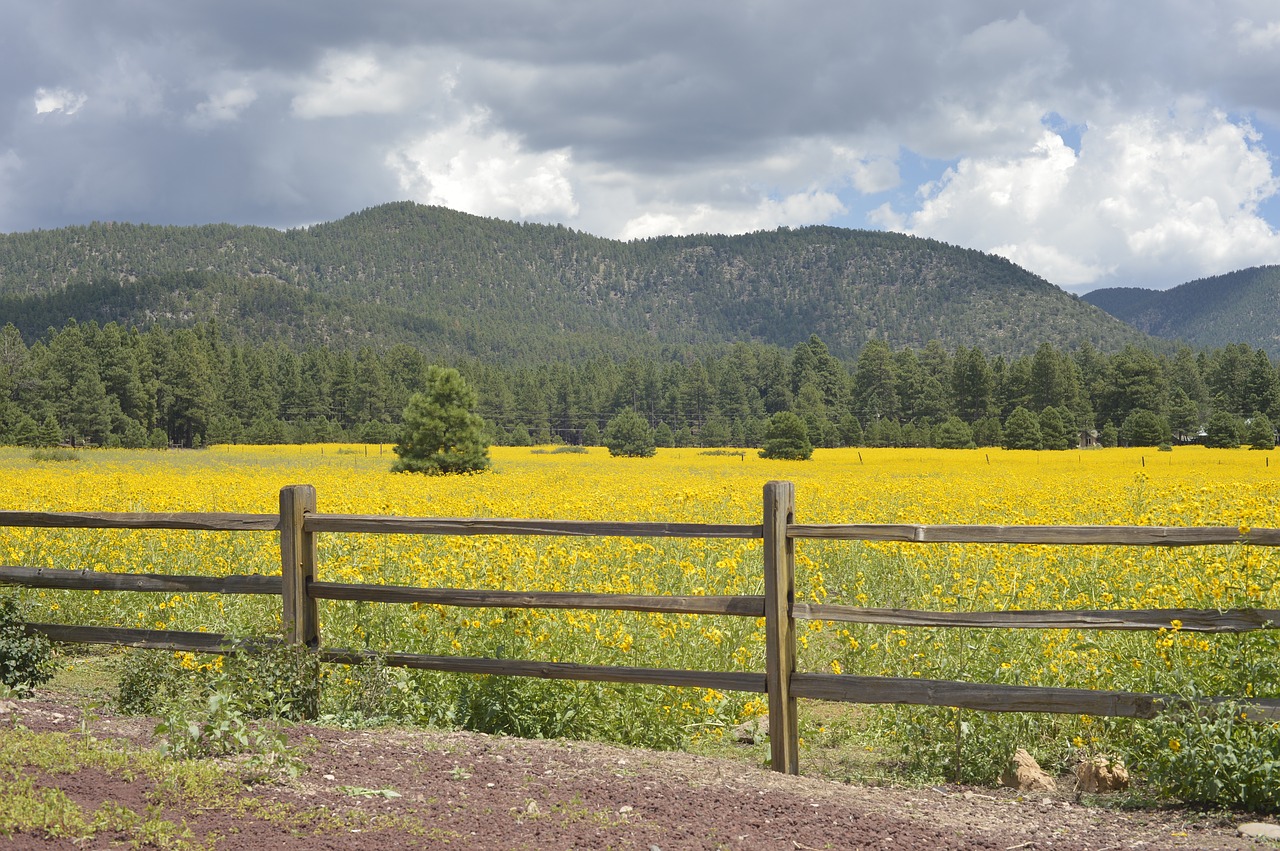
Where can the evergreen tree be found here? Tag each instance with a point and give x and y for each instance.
(629, 435)
(441, 432)
(953, 434)
(1022, 430)
(1144, 428)
(1054, 433)
(1223, 431)
(1260, 433)
(787, 438)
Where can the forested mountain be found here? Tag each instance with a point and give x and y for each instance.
(456, 285)
(1238, 307)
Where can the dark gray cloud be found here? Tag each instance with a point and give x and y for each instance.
(629, 119)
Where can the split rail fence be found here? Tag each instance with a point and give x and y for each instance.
(298, 524)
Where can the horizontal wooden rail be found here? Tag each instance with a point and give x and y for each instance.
(149, 639)
(746, 606)
(1190, 620)
(92, 580)
(567, 528)
(1160, 536)
(212, 522)
(999, 698)
(720, 680)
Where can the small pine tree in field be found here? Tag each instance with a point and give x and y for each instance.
(441, 432)
(787, 438)
(628, 435)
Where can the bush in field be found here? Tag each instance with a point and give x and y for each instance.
(25, 660)
(442, 433)
(787, 438)
(953, 433)
(628, 435)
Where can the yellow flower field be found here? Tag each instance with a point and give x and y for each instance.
(1189, 486)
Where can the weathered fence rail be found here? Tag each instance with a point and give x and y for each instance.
(299, 522)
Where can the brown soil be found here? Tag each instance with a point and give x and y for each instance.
(464, 790)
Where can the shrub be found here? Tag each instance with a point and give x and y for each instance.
(1213, 754)
(787, 438)
(629, 435)
(26, 661)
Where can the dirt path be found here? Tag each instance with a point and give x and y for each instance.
(410, 789)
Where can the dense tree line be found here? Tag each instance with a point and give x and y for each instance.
(112, 385)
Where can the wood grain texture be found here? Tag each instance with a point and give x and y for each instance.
(745, 606)
(212, 522)
(481, 526)
(1191, 620)
(90, 580)
(720, 680)
(1161, 536)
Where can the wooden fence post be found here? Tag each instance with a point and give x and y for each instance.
(780, 626)
(298, 566)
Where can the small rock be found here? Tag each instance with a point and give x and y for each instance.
(7, 706)
(1260, 830)
(1102, 774)
(330, 777)
(1025, 774)
(752, 730)
(533, 809)
(624, 809)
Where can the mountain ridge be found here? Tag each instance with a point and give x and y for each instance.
(1240, 306)
(462, 285)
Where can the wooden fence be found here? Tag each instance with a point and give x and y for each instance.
(299, 522)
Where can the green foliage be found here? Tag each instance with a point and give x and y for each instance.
(1260, 433)
(1223, 431)
(629, 435)
(273, 679)
(953, 434)
(1212, 754)
(1109, 437)
(1022, 430)
(147, 680)
(26, 661)
(220, 726)
(787, 438)
(1054, 433)
(1145, 428)
(441, 432)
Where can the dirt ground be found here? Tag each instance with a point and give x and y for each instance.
(382, 789)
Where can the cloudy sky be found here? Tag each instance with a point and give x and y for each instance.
(1097, 143)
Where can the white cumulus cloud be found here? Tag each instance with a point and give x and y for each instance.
(797, 209)
(474, 167)
(58, 100)
(1167, 197)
